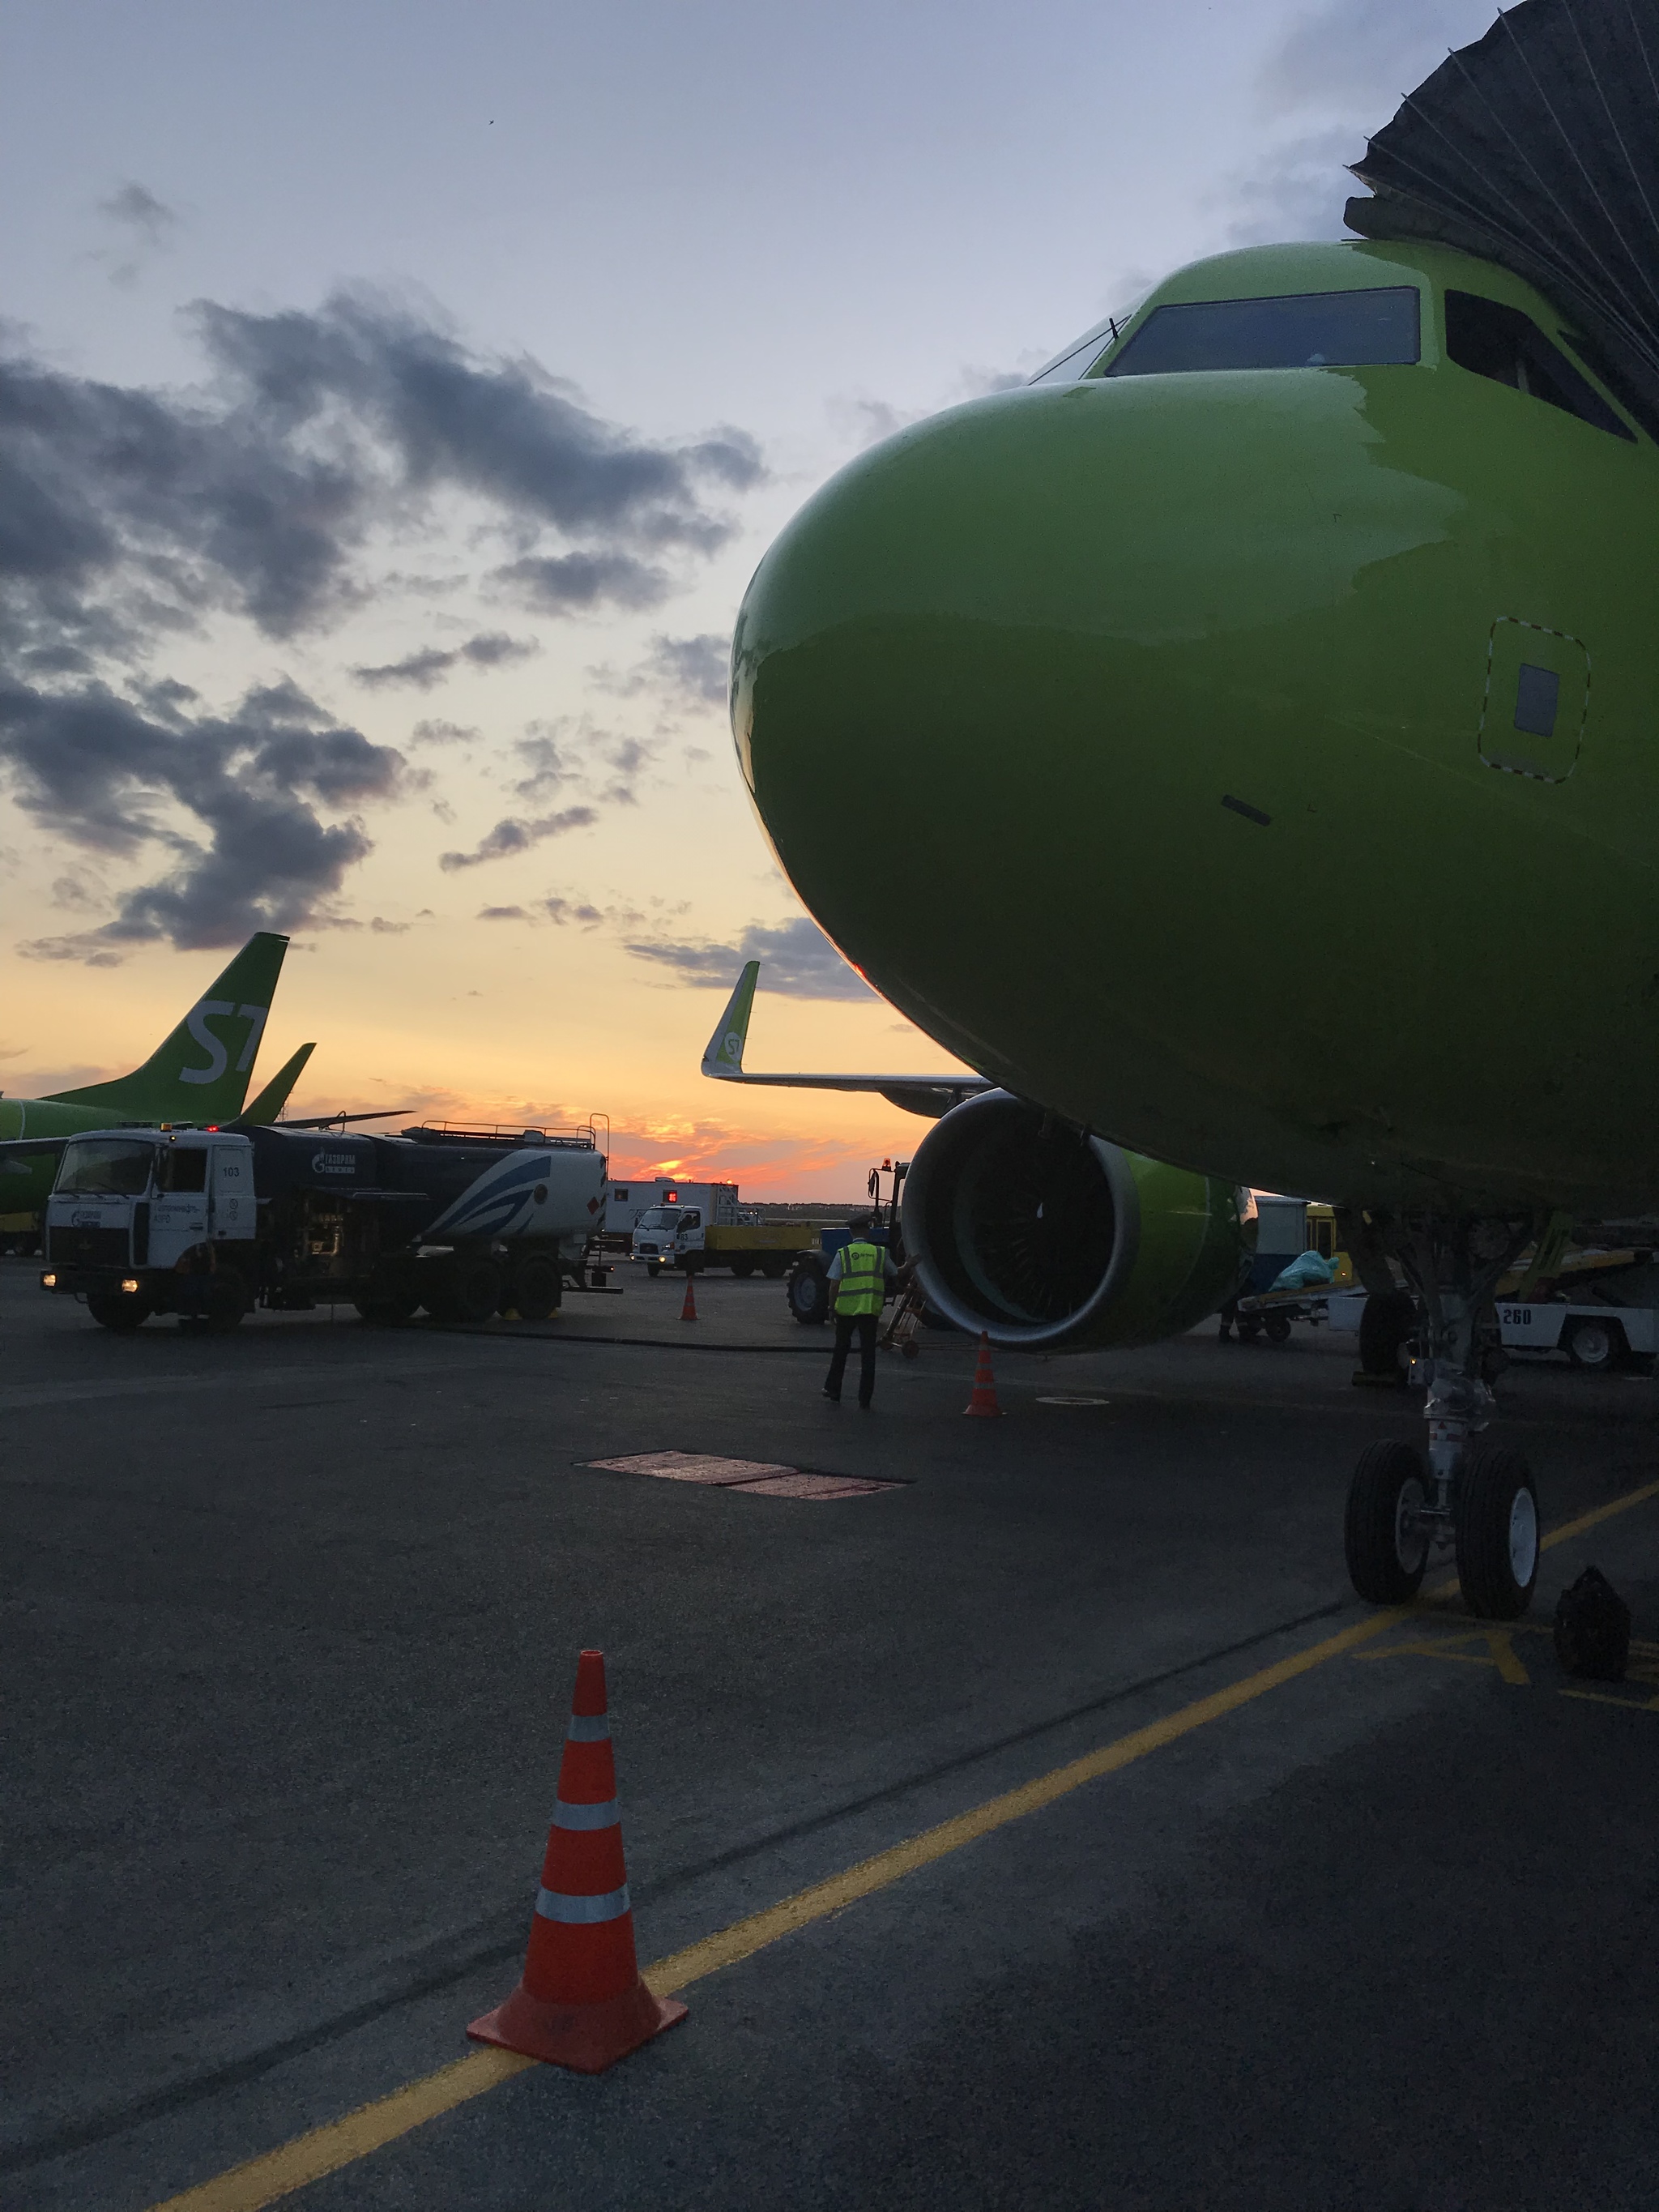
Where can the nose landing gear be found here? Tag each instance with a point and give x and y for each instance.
(1476, 1501)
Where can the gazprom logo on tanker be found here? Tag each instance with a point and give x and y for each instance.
(324, 1164)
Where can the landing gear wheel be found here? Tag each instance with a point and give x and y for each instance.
(121, 1313)
(1386, 1320)
(1387, 1553)
(1277, 1326)
(1595, 1344)
(536, 1289)
(1498, 1545)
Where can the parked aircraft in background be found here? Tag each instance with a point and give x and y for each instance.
(199, 1072)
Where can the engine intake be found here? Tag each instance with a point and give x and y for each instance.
(1051, 1240)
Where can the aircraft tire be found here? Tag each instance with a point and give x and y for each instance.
(536, 1289)
(1386, 1561)
(122, 1315)
(1386, 1320)
(470, 1291)
(1597, 1344)
(1498, 1527)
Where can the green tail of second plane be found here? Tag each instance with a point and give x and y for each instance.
(200, 1072)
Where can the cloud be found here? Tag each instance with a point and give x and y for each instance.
(690, 672)
(515, 835)
(100, 770)
(1298, 191)
(490, 649)
(503, 914)
(559, 584)
(131, 518)
(797, 960)
(144, 227)
(443, 734)
(1364, 53)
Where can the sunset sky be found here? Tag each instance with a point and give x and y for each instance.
(395, 401)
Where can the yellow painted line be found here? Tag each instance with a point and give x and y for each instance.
(326, 2149)
(277, 2173)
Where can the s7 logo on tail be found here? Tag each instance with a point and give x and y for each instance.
(218, 1053)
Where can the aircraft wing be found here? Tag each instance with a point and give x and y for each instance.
(927, 1095)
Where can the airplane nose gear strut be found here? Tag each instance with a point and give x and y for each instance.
(1475, 1499)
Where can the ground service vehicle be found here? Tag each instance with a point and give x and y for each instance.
(702, 1225)
(207, 1223)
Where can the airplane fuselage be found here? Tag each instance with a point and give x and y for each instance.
(1274, 750)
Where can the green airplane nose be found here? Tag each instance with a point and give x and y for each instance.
(1011, 664)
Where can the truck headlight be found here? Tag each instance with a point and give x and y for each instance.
(129, 1285)
(49, 1282)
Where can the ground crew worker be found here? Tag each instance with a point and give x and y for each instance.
(860, 1272)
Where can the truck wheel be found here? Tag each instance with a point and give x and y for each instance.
(536, 1288)
(774, 1270)
(468, 1291)
(228, 1300)
(1595, 1344)
(121, 1314)
(654, 1266)
(742, 1269)
(809, 1294)
(384, 1311)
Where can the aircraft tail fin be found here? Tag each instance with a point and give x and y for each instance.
(200, 1073)
(724, 1055)
(262, 1111)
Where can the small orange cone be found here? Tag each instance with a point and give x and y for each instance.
(582, 2001)
(982, 1400)
(689, 1310)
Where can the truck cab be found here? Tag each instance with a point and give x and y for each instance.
(664, 1234)
(129, 1206)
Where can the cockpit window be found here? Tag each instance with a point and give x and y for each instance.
(1304, 329)
(1490, 339)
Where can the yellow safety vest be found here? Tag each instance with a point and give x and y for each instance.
(861, 1284)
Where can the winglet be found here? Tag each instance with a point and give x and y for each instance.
(260, 1112)
(724, 1055)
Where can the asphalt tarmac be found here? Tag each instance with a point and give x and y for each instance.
(292, 1618)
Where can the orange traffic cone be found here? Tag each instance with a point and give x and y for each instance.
(982, 1400)
(689, 1310)
(582, 2001)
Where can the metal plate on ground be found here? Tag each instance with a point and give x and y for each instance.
(1073, 1401)
(760, 1478)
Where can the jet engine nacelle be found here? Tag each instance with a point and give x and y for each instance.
(1051, 1240)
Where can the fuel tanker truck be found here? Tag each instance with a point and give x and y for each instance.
(208, 1223)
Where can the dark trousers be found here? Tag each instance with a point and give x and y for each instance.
(847, 1325)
